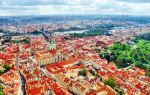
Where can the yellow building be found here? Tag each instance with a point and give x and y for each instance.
(47, 57)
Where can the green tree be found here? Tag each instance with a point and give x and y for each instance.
(148, 73)
(82, 72)
(1, 72)
(110, 82)
(1, 93)
(98, 76)
(108, 57)
(118, 91)
(119, 61)
(1, 90)
(25, 41)
(6, 66)
(92, 72)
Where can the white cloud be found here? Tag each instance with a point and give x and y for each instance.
(36, 7)
(135, 1)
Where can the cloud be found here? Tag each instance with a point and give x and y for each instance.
(42, 2)
(41, 7)
(135, 1)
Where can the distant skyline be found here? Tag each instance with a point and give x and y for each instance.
(50, 7)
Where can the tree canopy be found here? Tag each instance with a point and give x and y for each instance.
(110, 82)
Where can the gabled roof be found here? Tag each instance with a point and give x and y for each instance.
(53, 52)
(6, 56)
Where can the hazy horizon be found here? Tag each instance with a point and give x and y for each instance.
(76, 15)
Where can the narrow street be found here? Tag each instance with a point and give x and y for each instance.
(23, 81)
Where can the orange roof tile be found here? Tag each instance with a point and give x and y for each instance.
(69, 61)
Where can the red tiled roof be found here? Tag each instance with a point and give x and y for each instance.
(4, 56)
(53, 51)
(75, 67)
(33, 82)
(69, 61)
(91, 92)
(9, 62)
(34, 91)
(29, 76)
(26, 46)
(12, 48)
(24, 56)
(37, 71)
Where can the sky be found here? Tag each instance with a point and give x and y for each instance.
(48, 7)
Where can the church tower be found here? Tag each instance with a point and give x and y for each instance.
(51, 43)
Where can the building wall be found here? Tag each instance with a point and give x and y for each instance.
(56, 58)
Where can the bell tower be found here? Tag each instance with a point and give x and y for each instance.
(51, 43)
